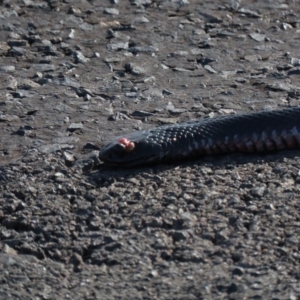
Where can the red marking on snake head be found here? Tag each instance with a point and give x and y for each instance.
(128, 145)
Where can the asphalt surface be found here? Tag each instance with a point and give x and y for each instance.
(74, 75)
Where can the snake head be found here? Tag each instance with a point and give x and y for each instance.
(130, 151)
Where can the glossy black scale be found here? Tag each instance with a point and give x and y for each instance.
(254, 132)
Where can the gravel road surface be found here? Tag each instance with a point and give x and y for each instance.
(75, 74)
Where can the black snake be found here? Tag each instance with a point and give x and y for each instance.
(254, 132)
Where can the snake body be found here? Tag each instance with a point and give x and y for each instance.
(254, 132)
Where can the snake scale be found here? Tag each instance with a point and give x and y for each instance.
(249, 133)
